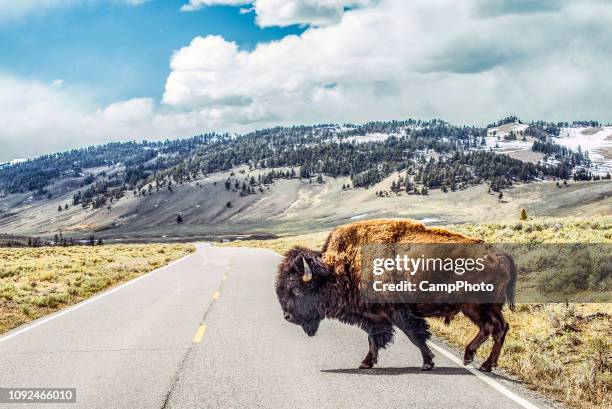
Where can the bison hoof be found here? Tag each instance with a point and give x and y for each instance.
(468, 360)
(366, 365)
(485, 368)
(427, 366)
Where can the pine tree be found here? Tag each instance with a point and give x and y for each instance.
(523, 215)
(179, 219)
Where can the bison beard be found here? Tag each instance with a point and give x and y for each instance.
(311, 286)
(308, 292)
(311, 327)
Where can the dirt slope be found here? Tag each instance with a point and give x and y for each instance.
(291, 206)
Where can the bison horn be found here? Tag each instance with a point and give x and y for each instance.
(307, 271)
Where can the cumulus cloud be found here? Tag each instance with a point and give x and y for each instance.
(287, 12)
(389, 59)
(394, 58)
(37, 118)
(504, 7)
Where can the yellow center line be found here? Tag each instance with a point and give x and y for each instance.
(199, 334)
(202, 328)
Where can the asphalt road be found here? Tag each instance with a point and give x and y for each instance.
(207, 332)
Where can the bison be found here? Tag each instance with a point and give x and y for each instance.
(312, 285)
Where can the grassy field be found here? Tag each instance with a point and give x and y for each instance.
(37, 281)
(562, 351)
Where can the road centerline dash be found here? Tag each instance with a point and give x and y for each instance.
(197, 338)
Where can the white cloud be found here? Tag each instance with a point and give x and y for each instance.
(460, 61)
(466, 62)
(286, 12)
(198, 4)
(310, 12)
(37, 118)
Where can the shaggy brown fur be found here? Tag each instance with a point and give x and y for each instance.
(344, 245)
(331, 290)
(342, 253)
(308, 292)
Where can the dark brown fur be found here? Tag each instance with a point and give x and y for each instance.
(328, 295)
(334, 293)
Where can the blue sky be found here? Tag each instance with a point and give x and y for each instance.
(80, 72)
(118, 50)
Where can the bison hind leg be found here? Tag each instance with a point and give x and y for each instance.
(477, 313)
(417, 330)
(500, 329)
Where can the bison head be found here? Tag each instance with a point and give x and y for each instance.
(300, 287)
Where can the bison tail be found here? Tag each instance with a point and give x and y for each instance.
(511, 289)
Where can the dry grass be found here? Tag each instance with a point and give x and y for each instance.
(562, 351)
(281, 245)
(37, 281)
(597, 229)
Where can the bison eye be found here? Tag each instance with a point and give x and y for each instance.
(297, 291)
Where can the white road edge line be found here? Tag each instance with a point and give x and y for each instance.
(83, 303)
(494, 384)
(489, 381)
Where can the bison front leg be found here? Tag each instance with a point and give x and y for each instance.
(372, 356)
(378, 337)
(417, 330)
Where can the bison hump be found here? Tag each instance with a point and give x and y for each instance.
(342, 250)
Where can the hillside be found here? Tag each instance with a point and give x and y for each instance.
(287, 180)
(294, 205)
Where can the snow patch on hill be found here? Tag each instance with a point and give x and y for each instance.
(592, 140)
